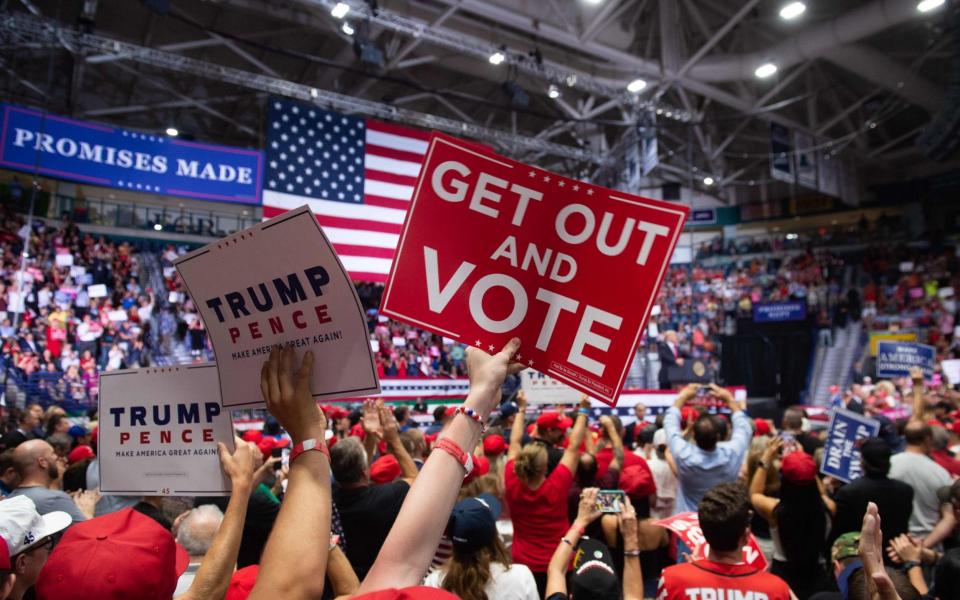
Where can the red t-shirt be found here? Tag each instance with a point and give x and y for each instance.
(704, 579)
(539, 516)
(947, 461)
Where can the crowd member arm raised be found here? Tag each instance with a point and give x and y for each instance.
(406, 554)
(290, 565)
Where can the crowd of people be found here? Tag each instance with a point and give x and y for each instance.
(498, 499)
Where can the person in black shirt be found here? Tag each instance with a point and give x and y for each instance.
(793, 423)
(367, 510)
(894, 498)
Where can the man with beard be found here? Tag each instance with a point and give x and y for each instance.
(39, 466)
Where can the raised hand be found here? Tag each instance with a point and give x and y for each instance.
(871, 554)
(371, 419)
(391, 429)
(240, 466)
(588, 511)
(487, 373)
(288, 395)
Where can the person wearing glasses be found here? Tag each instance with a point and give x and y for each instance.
(29, 537)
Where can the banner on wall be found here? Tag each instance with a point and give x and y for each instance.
(493, 248)
(159, 430)
(805, 159)
(130, 160)
(280, 282)
(781, 154)
(777, 312)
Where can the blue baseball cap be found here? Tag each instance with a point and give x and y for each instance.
(473, 522)
(77, 431)
(508, 409)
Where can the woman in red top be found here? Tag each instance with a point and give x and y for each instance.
(538, 500)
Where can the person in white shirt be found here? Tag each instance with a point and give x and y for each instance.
(666, 497)
(914, 467)
(479, 557)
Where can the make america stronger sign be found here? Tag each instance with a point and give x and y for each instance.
(493, 248)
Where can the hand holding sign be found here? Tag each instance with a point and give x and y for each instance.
(288, 395)
(487, 373)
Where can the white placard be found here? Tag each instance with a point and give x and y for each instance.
(375, 345)
(655, 310)
(169, 272)
(117, 315)
(97, 291)
(175, 297)
(906, 267)
(945, 292)
(280, 282)
(399, 342)
(543, 389)
(449, 342)
(159, 430)
(77, 271)
(951, 370)
(64, 260)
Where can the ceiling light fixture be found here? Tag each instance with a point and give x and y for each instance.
(553, 92)
(157, 227)
(708, 181)
(340, 10)
(928, 5)
(792, 11)
(347, 29)
(172, 131)
(636, 86)
(765, 70)
(497, 57)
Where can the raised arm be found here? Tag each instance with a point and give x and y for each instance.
(763, 504)
(615, 441)
(557, 569)
(343, 579)
(391, 433)
(571, 455)
(919, 406)
(213, 576)
(406, 554)
(871, 554)
(632, 573)
(372, 428)
(516, 430)
(286, 570)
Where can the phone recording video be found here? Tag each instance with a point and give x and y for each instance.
(610, 501)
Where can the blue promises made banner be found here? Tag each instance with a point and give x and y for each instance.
(841, 455)
(773, 312)
(119, 158)
(894, 359)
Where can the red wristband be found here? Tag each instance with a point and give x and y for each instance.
(306, 446)
(451, 448)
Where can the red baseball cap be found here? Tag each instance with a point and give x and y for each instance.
(554, 420)
(451, 410)
(81, 452)
(124, 554)
(357, 431)
(494, 444)
(761, 427)
(4, 556)
(637, 481)
(253, 435)
(955, 427)
(241, 583)
(385, 469)
(689, 414)
(481, 466)
(266, 446)
(798, 467)
(410, 593)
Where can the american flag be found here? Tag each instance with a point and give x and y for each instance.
(356, 174)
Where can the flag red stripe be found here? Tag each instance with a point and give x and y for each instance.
(390, 177)
(392, 153)
(359, 225)
(398, 130)
(368, 251)
(386, 202)
(271, 211)
(371, 277)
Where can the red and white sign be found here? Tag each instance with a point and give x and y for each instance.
(687, 527)
(492, 248)
(280, 282)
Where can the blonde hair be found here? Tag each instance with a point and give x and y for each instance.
(531, 463)
(467, 573)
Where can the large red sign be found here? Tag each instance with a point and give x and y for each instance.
(687, 527)
(492, 248)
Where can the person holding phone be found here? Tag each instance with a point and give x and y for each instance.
(707, 461)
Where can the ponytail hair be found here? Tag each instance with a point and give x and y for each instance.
(467, 573)
(531, 463)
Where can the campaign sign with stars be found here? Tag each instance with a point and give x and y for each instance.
(32, 141)
(280, 282)
(492, 248)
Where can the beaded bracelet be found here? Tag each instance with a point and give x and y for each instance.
(583, 411)
(471, 414)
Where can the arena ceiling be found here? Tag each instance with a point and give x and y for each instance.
(863, 77)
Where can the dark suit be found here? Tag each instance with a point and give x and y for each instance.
(667, 360)
(894, 500)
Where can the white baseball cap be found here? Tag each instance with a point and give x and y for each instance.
(22, 526)
(660, 437)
